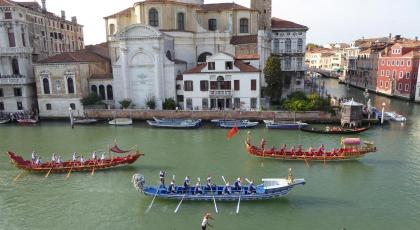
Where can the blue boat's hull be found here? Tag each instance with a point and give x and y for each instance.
(237, 124)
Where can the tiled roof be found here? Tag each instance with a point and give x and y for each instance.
(246, 39)
(126, 11)
(86, 55)
(242, 66)
(6, 3)
(197, 69)
(277, 23)
(248, 57)
(103, 76)
(222, 6)
(31, 5)
(100, 49)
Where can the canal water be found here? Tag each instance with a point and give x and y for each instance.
(380, 191)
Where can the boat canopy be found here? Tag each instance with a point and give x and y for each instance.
(351, 141)
(274, 183)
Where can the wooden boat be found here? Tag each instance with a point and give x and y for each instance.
(27, 121)
(4, 121)
(335, 130)
(75, 166)
(121, 121)
(350, 149)
(268, 189)
(240, 124)
(84, 121)
(270, 124)
(175, 123)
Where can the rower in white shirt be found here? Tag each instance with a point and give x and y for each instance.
(82, 160)
(103, 157)
(74, 158)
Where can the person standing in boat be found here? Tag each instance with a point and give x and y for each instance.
(238, 185)
(33, 156)
(209, 185)
(186, 184)
(94, 155)
(53, 158)
(263, 143)
(103, 157)
(162, 177)
(82, 159)
(59, 161)
(205, 221)
(74, 157)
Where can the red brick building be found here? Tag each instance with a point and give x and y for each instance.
(398, 68)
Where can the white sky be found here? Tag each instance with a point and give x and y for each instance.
(328, 20)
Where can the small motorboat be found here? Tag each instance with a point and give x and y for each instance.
(270, 124)
(240, 124)
(4, 121)
(175, 123)
(121, 121)
(268, 189)
(27, 121)
(393, 116)
(84, 121)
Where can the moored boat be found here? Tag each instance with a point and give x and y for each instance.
(27, 121)
(335, 130)
(175, 123)
(75, 166)
(4, 121)
(240, 124)
(84, 121)
(270, 124)
(393, 116)
(268, 189)
(350, 149)
(121, 121)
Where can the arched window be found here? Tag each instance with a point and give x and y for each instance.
(46, 85)
(153, 17)
(94, 89)
(111, 29)
(169, 55)
(181, 21)
(109, 93)
(243, 25)
(212, 24)
(11, 34)
(288, 45)
(70, 85)
(15, 66)
(102, 92)
(202, 58)
(73, 106)
(23, 37)
(300, 45)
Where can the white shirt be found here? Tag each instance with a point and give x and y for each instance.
(205, 222)
(82, 159)
(103, 157)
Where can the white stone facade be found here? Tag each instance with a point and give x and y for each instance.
(417, 97)
(226, 86)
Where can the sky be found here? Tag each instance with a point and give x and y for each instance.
(329, 21)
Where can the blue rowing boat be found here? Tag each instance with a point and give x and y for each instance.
(175, 123)
(269, 189)
(240, 124)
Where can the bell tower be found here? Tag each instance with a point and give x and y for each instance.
(264, 8)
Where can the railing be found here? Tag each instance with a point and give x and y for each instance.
(14, 50)
(221, 93)
(15, 79)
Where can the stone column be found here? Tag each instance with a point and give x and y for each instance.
(124, 70)
(4, 37)
(18, 34)
(158, 76)
(2, 72)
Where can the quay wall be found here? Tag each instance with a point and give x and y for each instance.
(311, 116)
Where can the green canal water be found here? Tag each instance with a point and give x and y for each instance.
(380, 191)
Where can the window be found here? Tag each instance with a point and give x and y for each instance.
(414, 75)
(180, 98)
(381, 84)
(253, 103)
(188, 86)
(253, 85)
(19, 105)
(393, 63)
(387, 63)
(407, 87)
(48, 107)
(102, 92)
(1, 106)
(401, 74)
(276, 45)
(11, 34)
(236, 85)
(111, 29)
(288, 45)
(407, 75)
(189, 104)
(205, 104)
(23, 37)
(94, 89)
(73, 106)
(386, 85)
(229, 65)
(109, 92)
(287, 63)
(153, 17)
(408, 63)
(243, 25)
(178, 87)
(237, 103)
(17, 92)
(212, 24)
(399, 86)
(382, 62)
(300, 45)
(212, 66)
(46, 85)
(181, 21)
(8, 15)
(402, 63)
(204, 86)
(382, 73)
(1, 92)
(388, 73)
(70, 85)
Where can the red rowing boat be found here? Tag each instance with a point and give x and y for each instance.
(75, 166)
(351, 149)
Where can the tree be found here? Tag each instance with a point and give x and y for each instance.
(125, 103)
(151, 102)
(312, 46)
(273, 78)
(91, 99)
(169, 104)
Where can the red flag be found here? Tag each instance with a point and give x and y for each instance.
(232, 132)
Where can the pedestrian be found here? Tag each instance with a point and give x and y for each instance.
(205, 222)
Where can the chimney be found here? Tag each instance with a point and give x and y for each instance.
(63, 14)
(397, 37)
(44, 5)
(74, 19)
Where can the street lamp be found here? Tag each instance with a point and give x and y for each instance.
(383, 113)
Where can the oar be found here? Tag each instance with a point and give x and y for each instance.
(68, 174)
(93, 170)
(214, 199)
(46, 176)
(224, 179)
(179, 205)
(306, 162)
(18, 176)
(239, 202)
(153, 200)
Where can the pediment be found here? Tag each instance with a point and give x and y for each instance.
(139, 31)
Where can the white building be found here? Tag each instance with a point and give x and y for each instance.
(417, 97)
(222, 83)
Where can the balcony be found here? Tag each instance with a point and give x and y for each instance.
(6, 51)
(221, 93)
(15, 80)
